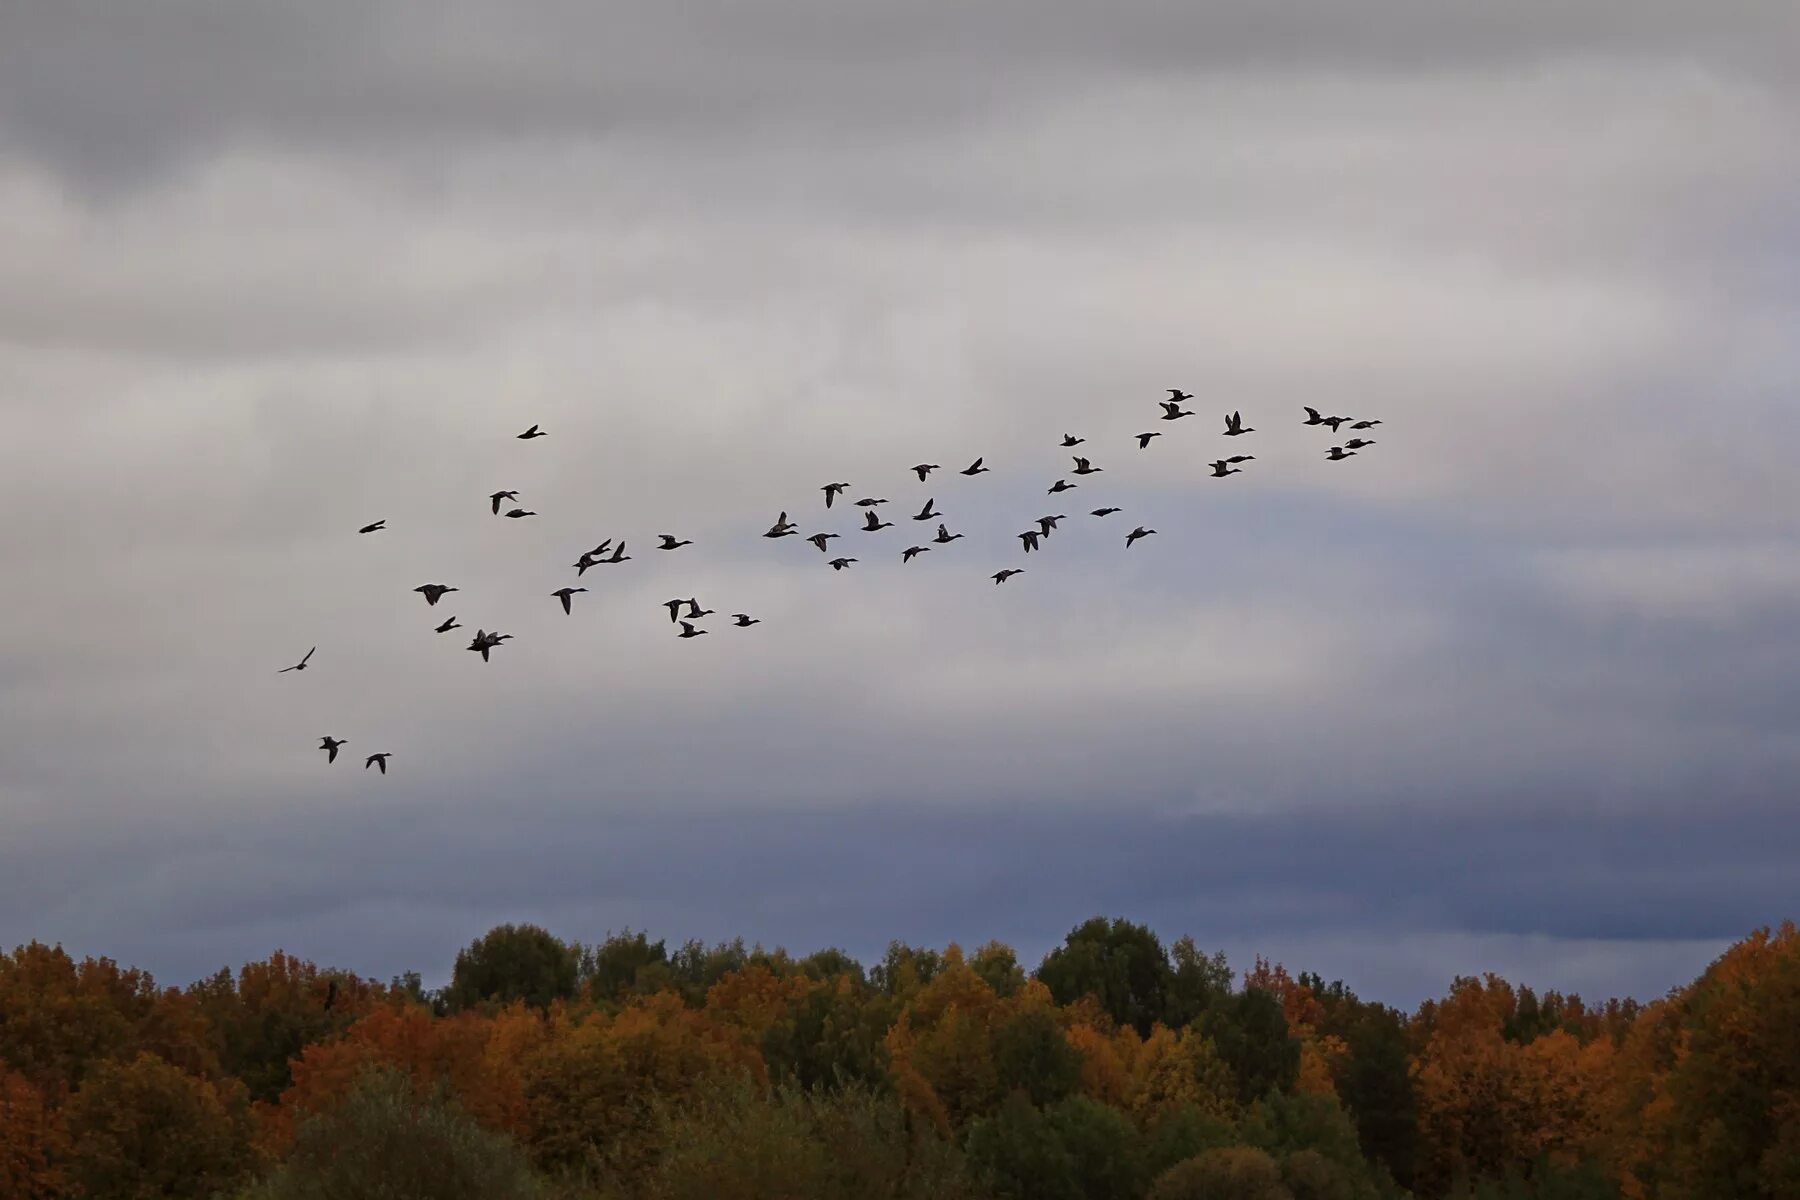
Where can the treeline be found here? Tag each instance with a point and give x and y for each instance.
(1120, 1069)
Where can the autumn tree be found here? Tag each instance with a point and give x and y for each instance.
(1234, 1173)
(34, 1145)
(513, 962)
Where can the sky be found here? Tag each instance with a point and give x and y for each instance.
(1515, 689)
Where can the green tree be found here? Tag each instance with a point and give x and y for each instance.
(1121, 964)
(999, 966)
(1251, 1036)
(145, 1128)
(1196, 983)
(385, 1140)
(1021, 1154)
(513, 962)
(1031, 1053)
(1183, 1133)
(622, 964)
(1103, 1148)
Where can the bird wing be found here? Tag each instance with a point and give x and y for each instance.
(309, 654)
(564, 597)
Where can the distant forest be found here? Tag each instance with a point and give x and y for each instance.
(1120, 1069)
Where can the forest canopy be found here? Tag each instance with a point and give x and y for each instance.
(1120, 1069)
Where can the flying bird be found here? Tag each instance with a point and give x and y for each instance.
(838, 564)
(495, 498)
(487, 641)
(1234, 425)
(975, 468)
(330, 746)
(1046, 524)
(782, 528)
(928, 513)
(819, 540)
(1177, 395)
(1003, 576)
(924, 469)
(670, 542)
(688, 631)
(1083, 467)
(299, 666)
(376, 760)
(1365, 425)
(1106, 512)
(1357, 443)
(433, 592)
(874, 524)
(617, 556)
(1062, 485)
(1134, 535)
(1144, 439)
(533, 432)
(582, 564)
(674, 607)
(695, 612)
(912, 552)
(745, 620)
(1030, 538)
(1172, 411)
(1334, 422)
(565, 594)
(516, 513)
(831, 491)
(870, 502)
(944, 536)
(447, 626)
(1223, 467)
(1070, 439)
(374, 527)
(1338, 454)
(1312, 415)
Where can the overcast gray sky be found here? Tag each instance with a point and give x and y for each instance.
(1518, 688)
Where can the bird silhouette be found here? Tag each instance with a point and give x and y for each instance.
(695, 612)
(975, 468)
(874, 524)
(516, 513)
(1134, 535)
(565, 595)
(617, 556)
(838, 564)
(1062, 485)
(928, 513)
(1172, 411)
(582, 564)
(670, 542)
(1106, 512)
(377, 760)
(1083, 467)
(1223, 467)
(433, 592)
(1234, 425)
(924, 469)
(1357, 443)
(494, 499)
(485, 642)
(1177, 395)
(1030, 538)
(1338, 454)
(870, 502)
(745, 620)
(831, 491)
(819, 540)
(1047, 524)
(447, 626)
(1003, 576)
(299, 666)
(1144, 439)
(944, 536)
(1365, 424)
(688, 631)
(674, 607)
(782, 528)
(533, 432)
(1070, 439)
(1312, 415)
(330, 746)
(1333, 422)
(912, 552)
(374, 527)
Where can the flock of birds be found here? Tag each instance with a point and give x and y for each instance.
(686, 611)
